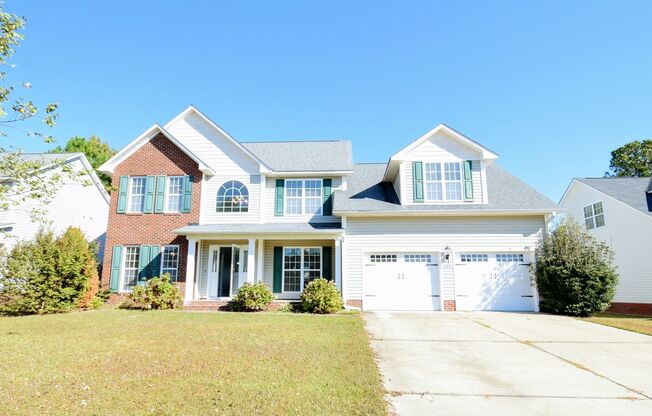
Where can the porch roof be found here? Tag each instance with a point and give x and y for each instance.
(269, 228)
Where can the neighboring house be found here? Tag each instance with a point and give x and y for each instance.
(440, 226)
(618, 211)
(80, 201)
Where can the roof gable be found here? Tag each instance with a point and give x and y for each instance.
(633, 192)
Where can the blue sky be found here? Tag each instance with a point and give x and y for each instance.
(551, 86)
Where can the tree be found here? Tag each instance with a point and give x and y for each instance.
(97, 152)
(574, 272)
(632, 159)
(14, 112)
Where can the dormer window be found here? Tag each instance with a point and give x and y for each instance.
(594, 215)
(446, 187)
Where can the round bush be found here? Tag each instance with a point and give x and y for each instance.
(321, 296)
(252, 297)
(157, 293)
(574, 272)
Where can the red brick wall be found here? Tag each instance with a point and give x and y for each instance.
(159, 156)
(449, 305)
(631, 308)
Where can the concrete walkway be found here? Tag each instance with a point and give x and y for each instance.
(491, 363)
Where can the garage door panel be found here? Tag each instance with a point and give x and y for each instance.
(401, 282)
(493, 281)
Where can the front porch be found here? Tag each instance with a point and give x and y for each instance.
(218, 264)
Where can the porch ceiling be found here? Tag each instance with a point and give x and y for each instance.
(256, 229)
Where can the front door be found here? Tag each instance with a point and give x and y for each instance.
(227, 270)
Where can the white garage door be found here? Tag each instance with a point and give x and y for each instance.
(400, 282)
(493, 282)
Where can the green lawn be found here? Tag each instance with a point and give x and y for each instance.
(641, 324)
(116, 362)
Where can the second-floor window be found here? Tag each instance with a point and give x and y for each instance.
(594, 215)
(443, 181)
(137, 193)
(174, 194)
(232, 196)
(303, 196)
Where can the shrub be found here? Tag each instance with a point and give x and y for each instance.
(157, 293)
(290, 308)
(574, 272)
(252, 297)
(48, 274)
(321, 296)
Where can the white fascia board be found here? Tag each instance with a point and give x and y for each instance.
(109, 166)
(191, 108)
(516, 212)
(308, 173)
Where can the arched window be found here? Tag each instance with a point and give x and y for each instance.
(232, 196)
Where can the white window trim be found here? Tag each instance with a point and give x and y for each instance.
(594, 216)
(301, 282)
(162, 249)
(303, 197)
(165, 194)
(247, 186)
(130, 187)
(443, 181)
(123, 269)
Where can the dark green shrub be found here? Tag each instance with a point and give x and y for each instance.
(321, 296)
(157, 293)
(574, 272)
(48, 274)
(252, 297)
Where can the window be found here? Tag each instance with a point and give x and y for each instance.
(303, 196)
(301, 265)
(174, 194)
(383, 258)
(137, 193)
(446, 187)
(170, 262)
(594, 215)
(509, 258)
(474, 258)
(233, 196)
(418, 258)
(130, 269)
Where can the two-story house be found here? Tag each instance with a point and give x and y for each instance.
(440, 226)
(618, 211)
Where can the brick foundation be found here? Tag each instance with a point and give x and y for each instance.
(449, 305)
(356, 303)
(631, 308)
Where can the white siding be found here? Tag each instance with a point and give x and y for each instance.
(269, 199)
(216, 150)
(442, 147)
(628, 232)
(74, 205)
(209, 189)
(432, 235)
(397, 185)
(407, 186)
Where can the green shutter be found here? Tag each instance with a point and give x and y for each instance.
(150, 184)
(327, 190)
(417, 179)
(187, 194)
(327, 263)
(468, 180)
(280, 194)
(161, 183)
(278, 269)
(143, 264)
(154, 262)
(116, 264)
(122, 194)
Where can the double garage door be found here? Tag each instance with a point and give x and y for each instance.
(482, 281)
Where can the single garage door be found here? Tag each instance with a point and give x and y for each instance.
(493, 282)
(400, 282)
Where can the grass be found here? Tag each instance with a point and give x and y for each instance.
(116, 362)
(640, 324)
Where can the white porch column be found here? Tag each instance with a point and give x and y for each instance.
(261, 260)
(190, 271)
(251, 264)
(338, 263)
(344, 267)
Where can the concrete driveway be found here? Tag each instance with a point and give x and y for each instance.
(491, 363)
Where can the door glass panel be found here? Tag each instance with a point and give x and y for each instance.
(214, 261)
(245, 256)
